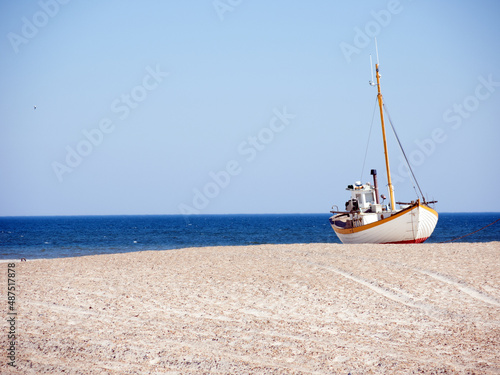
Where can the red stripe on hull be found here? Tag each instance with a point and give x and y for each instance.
(418, 240)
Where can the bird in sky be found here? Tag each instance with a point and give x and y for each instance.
(34, 107)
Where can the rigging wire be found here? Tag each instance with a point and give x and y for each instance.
(486, 226)
(369, 136)
(404, 154)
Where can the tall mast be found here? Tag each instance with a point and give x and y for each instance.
(389, 183)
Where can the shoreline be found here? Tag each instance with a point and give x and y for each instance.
(253, 245)
(298, 308)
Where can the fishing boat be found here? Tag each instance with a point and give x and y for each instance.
(366, 219)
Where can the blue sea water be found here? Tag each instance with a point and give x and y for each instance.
(56, 237)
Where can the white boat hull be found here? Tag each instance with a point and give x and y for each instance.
(412, 225)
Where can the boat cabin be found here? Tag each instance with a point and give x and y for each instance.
(363, 198)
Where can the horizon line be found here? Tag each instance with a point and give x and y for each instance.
(217, 214)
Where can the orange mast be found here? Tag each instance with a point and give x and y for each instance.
(389, 183)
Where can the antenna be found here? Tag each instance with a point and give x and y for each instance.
(376, 49)
(371, 66)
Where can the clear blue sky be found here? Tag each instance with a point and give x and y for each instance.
(166, 107)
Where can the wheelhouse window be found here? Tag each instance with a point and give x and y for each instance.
(369, 197)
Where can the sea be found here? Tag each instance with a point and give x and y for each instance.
(72, 236)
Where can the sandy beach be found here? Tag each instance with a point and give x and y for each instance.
(273, 309)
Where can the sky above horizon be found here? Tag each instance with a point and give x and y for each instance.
(235, 106)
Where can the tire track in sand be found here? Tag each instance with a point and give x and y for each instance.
(407, 299)
(474, 293)
(459, 284)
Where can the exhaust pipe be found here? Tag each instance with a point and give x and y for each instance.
(375, 185)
